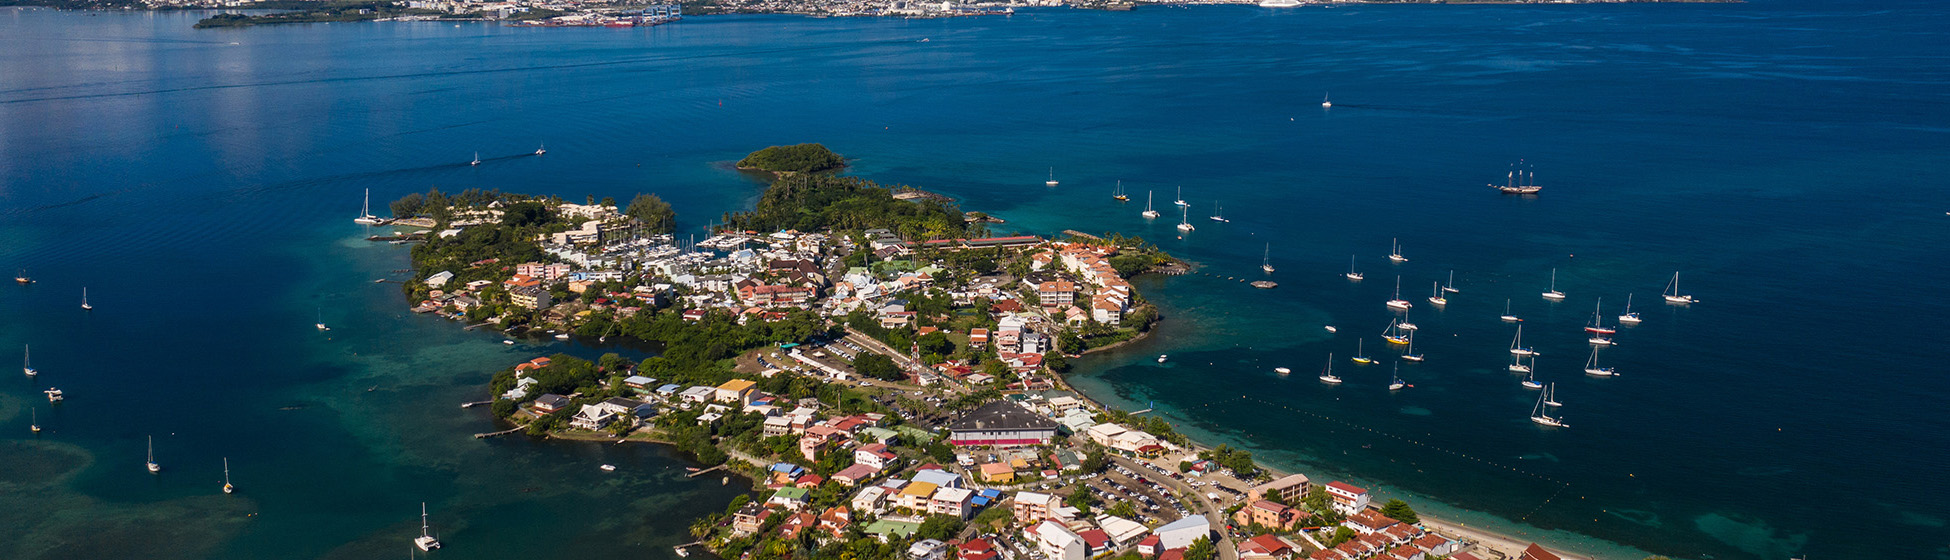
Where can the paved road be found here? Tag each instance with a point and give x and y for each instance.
(1212, 511)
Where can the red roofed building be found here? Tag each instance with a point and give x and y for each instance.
(1265, 546)
(854, 475)
(1149, 545)
(834, 521)
(1173, 554)
(796, 523)
(975, 549)
(1534, 552)
(1437, 545)
(1268, 514)
(1348, 498)
(776, 295)
(1095, 541)
(1368, 522)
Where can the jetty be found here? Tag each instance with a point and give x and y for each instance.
(695, 474)
(500, 433)
(475, 404)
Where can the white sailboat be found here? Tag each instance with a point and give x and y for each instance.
(34, 420)
(227, 488)
(27, 361)
(1395, 251)
(1672, 292)
(1530, 379)
(1550, 395)
(1405, 325)
(1393, 334)
(1507, 317)
(1218, 214)
(1435, 297)
(1327, 375)
(1184, 219)
(477, 159)
(1266, 262)
(321, 321)
(1601, 340)
(1325, 102)
(153, 467)
(1517, 365)
(1553, 294)
(1181, 198)
(1517, 347)
(542, 150)
(1395, 383)
(425, 540)
(1591, 366)
(1629, 317)
(365, 209)
(1359, 356)
(1451, 286)
(84, 300)
(1052, 178)
(1409, 353)
(1541, 414)
(1597, 325)
(1148, 212)
(1351, 274)
(1398, 302)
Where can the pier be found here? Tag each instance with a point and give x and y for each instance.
(698, 473)
(475, 404)
(500, 433)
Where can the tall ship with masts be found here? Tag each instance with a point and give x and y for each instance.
(1519, 181)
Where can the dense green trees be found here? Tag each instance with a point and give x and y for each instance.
(822, 202)
(656, 215)
(804, 158)
(1399, 511)
(940, 527)
(1202, 549)
(878, 367)
(1239, 460)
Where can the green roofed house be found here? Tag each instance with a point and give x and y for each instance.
(877, 435)
(791, 497)
(885, 528)
(917, 434)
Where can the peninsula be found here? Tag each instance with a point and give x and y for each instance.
(884, 371)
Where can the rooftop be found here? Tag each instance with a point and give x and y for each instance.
(1001, 415)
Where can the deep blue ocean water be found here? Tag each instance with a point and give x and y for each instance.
(1790, 158)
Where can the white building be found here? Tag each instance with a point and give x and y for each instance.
(1181, 533)
(1348, 499)
(1057, 542)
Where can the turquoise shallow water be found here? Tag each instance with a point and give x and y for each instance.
(1789, 157)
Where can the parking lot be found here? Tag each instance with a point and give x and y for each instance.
(1155, 502)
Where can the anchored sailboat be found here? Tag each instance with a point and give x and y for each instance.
(1553, 294)
(1398, 302)
(84, 300)
(1550, 395)
(1409, 353)
(1119, 193)
(1052, 177)
(1184, 219)
(365, 209)
(425, 540)
(1351, 274)
(1672, 292)
(1266, 262)
(1148, 212)
(1395, 383)
(1530, 380)
(1327, 375)
(227, 488)
(1395, 251)
(1324, 101)
(1359, 356)
(1517, 365)
(153, 467)
(1507, 317)
(1181, 198)
(1435, 297)
(1517, 347)
(1218, 214)
(1451, 286)
(1597, 325)
(321, 321)
(1629, 317)
(22, 278)
(27, 361)
(1591, 365)
(1393, 334)
(34, 420)
(1541, 413)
